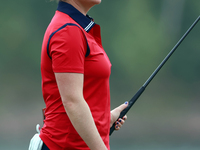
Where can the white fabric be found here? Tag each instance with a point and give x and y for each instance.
(36, 142)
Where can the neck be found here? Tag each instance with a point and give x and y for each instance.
(83, 7)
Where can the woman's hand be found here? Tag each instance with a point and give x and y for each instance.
(115, 115)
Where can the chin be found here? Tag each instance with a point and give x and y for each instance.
(96, 1)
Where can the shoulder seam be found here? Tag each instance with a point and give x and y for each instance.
(62, 27)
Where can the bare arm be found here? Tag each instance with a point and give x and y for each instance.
(71, 90)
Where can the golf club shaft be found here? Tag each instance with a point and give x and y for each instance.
(141, 90)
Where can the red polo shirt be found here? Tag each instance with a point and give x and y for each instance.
(72, 43)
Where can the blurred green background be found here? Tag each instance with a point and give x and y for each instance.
(137, 35)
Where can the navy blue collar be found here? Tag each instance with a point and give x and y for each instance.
(84, 21)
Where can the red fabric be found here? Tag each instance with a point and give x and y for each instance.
(67, 49)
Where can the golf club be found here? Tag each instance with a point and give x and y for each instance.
(141, 90)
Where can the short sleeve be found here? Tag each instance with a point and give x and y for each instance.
(67, 49)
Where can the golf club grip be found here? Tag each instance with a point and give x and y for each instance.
(130, 104)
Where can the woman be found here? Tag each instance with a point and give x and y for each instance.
(75, 82)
